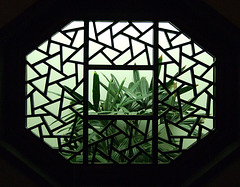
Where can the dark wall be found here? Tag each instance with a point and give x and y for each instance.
(9, 9)
(14, 173)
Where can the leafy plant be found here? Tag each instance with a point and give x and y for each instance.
(135, 99)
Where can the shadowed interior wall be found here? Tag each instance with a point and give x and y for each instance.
(228, 8)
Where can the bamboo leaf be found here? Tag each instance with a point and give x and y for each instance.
(108, 97)
(106, 77)
(130, 93)
(70, 98)
(101, 159)
(130, 85)
(181, 70)
(96, 123)
(144, 90)
(185, 89)
(79, 97)
(75, 94)
(138, 98)
(116, 86)
(125, 110)
(136, 76)
(144, 86)
(151, 85)
(115, 80)
(96, 91)
(134, 86)
(117, 95)
(106, 88)
(170, 83)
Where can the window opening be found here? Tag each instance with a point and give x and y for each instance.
(149, 90)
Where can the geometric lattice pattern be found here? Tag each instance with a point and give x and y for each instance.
(189, 67)
(120, 43)
(55, 63)
(125, 142)
(56, 92)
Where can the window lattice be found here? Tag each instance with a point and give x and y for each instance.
(142, 82)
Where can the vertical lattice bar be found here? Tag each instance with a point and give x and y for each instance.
(155, 94)
(214, 94)
(85, 94)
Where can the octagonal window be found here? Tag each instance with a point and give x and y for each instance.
(118, 92)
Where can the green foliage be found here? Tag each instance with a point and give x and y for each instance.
(135, 99)
(96, 91)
